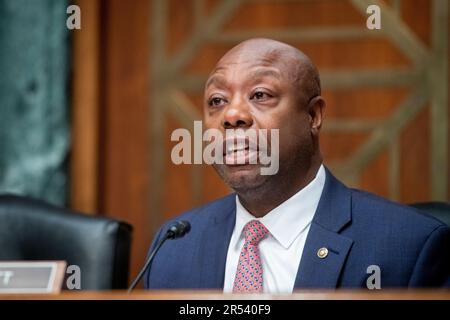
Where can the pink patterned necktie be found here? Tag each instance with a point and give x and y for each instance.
(249, 274)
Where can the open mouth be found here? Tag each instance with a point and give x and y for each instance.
(240, 151)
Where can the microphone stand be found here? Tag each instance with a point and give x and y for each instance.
(178, 230)
(147, 263)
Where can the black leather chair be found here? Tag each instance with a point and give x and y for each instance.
(34, 230)
(439, 210)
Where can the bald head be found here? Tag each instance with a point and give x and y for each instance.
(296, 66)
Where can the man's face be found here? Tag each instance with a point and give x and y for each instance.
(255, 91)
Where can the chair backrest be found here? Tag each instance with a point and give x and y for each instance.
(439, 210)
(34, 230)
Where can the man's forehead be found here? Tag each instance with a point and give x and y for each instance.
(249, 66)
(221, 75)
(289, 65)
(249, 58)
(263, 66)
(253, 54)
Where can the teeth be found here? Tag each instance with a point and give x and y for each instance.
(232, 149)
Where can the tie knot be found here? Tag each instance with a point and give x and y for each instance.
(254, 232)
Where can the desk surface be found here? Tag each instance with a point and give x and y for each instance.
(435, 294)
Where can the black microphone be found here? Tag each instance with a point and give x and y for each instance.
(177, 230)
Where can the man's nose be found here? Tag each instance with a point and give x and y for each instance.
(237, 115)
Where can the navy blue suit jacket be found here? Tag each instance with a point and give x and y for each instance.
(359, 229)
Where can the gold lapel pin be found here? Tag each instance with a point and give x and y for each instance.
(322, 253)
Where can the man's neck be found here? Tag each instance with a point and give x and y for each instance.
(261, 202)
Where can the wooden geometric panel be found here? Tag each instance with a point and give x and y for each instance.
(386, 126)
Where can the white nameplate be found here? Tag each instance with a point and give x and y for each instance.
(31, 276)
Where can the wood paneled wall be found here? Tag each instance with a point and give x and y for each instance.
(155, 55)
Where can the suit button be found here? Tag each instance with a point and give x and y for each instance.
(322, 253)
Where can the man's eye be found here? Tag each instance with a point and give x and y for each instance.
(216, 101)
(260, 95)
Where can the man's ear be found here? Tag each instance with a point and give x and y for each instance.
(316, 110)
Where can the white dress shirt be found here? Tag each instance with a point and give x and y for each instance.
(281, 251)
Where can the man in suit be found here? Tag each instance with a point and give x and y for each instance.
(299, 228)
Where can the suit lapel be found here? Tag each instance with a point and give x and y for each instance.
(332, 215)
(316, 272)
(215, 244)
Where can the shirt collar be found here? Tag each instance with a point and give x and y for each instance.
(290, 218)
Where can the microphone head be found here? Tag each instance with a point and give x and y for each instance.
(178, 229)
